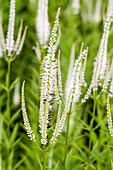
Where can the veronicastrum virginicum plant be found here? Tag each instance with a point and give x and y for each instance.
(10, 49)
(51, 89)
(102, 74)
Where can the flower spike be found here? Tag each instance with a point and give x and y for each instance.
(110, 126)
(25, 117)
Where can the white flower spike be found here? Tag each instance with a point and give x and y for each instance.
(25, 117)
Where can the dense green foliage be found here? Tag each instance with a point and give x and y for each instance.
(17, 151)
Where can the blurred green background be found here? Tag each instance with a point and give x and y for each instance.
(75, 28)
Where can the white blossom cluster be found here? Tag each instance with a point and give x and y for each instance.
(9, 47)
(109, 116)
(102, 71)
(103, 47)
(111, 87)
(10, 32)
(42, 23)
(77, 74)
(61, 121)
(49, 82)
(25, 117)
(48, 74)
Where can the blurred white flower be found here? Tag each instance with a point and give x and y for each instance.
(16, 98)
(42, 23)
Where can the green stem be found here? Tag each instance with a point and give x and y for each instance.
(8, 87)
(91, 127)
(66, 141)
(44, 155)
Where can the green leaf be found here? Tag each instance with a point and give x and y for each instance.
(40, 164)
(15, 115)
(2, 86)
(68, 159)
(80, 150)
(54, 162)
(55, 168)
(16, 142)
(14, 133)
(13, 84)
(18, 164)
(10, 160)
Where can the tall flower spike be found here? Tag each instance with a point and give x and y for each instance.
(42, 23)
(109, 116)
(69, 76)
(25, 117)
(59, 76)
(45, 122)
(49, 61)
(107, 78)
(10, 33)
(111, 87)
(111, 83)
(56, 132)
(103, 46)
(77, 76)
(66, 110)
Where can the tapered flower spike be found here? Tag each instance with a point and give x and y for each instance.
(59, 76)
(111, 88)
(66, 110)
(103, 47)
(78, 73)
(69, 76)
(107, 78)
(10, 33)
(56, 86)
(22, 41)
(25, 117)
(2, 40)
(19, 36)
(82, 79)
(45, 122)
(49, 61)
(58, 38)
(56, 130)
(111, 77)
(110, 126)
(42, 23)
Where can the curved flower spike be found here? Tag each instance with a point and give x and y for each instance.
(110, 126)
(25, 117)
